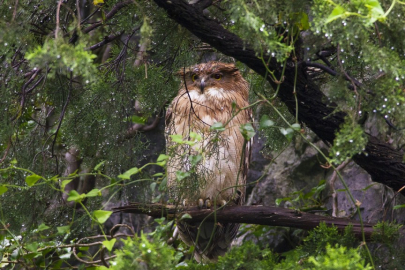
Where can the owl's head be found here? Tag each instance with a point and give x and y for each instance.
(214, 75)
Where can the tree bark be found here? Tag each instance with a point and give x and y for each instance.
(380, 160)
(257, 214)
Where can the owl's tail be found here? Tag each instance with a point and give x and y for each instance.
(213, 240)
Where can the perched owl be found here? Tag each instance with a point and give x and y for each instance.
(208, 161)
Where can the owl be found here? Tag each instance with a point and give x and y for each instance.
(209, 156)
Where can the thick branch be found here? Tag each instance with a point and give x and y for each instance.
(264, 215)
(383, 163)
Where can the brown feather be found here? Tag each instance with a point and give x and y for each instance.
(211, 92)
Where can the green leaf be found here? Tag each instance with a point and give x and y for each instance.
(337, 12)
(3, 189)
(99, 165)
(163, 185)
(75, 196)
(375, 11)
(288, 133)
(32, 179)
(157, 198)
(195, 160)
(127, 175)
(101, 215)
(42, 227)
(296, 126)
(181, 175)
(74, 173)
(195, 136)
(162, 157)
(94, 193)
(247, 131)
(186, 216)
(65, 256)
(157, 174)
(13, 162)
(65, 182)
(98, 2)
(54, 178)
(32, 246)
(63, 229)
(177, 138)
(398, 206)
(369, 186)
(217, 126)
(304, 23)
(153, 186)
(109, 244)
(138, 119)
(265, 122)
(31, 255)
(280, 200)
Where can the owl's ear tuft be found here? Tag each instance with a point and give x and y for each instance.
(229, 68)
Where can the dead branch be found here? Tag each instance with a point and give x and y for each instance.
(257, 214)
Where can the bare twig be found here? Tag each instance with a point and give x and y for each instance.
(57, 18)
(106, 40)
(88, 17)
(15, 10)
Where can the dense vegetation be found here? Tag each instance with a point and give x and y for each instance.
(84, 86)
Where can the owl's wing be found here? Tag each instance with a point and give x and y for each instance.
(168, 116)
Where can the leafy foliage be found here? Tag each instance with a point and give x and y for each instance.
(249, 255)
(88, 81)
(349, 141)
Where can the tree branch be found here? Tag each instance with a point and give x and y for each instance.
(383, 163)
(107, 39)
(109, 15)
(263, 215)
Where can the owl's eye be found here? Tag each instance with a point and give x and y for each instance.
(217, 76)
(194, 77)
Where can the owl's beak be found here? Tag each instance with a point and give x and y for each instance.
(202, 85)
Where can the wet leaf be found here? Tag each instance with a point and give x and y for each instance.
(265, 122)
(109, 244)
(101, 215)
(127, 175)
(32, 179)
(3, 189)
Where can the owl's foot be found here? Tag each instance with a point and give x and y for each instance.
(185, 202)
(204, 203)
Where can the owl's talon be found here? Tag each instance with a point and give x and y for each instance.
(200, 203)
(223, 202)
(174, 237)
(185, 202)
